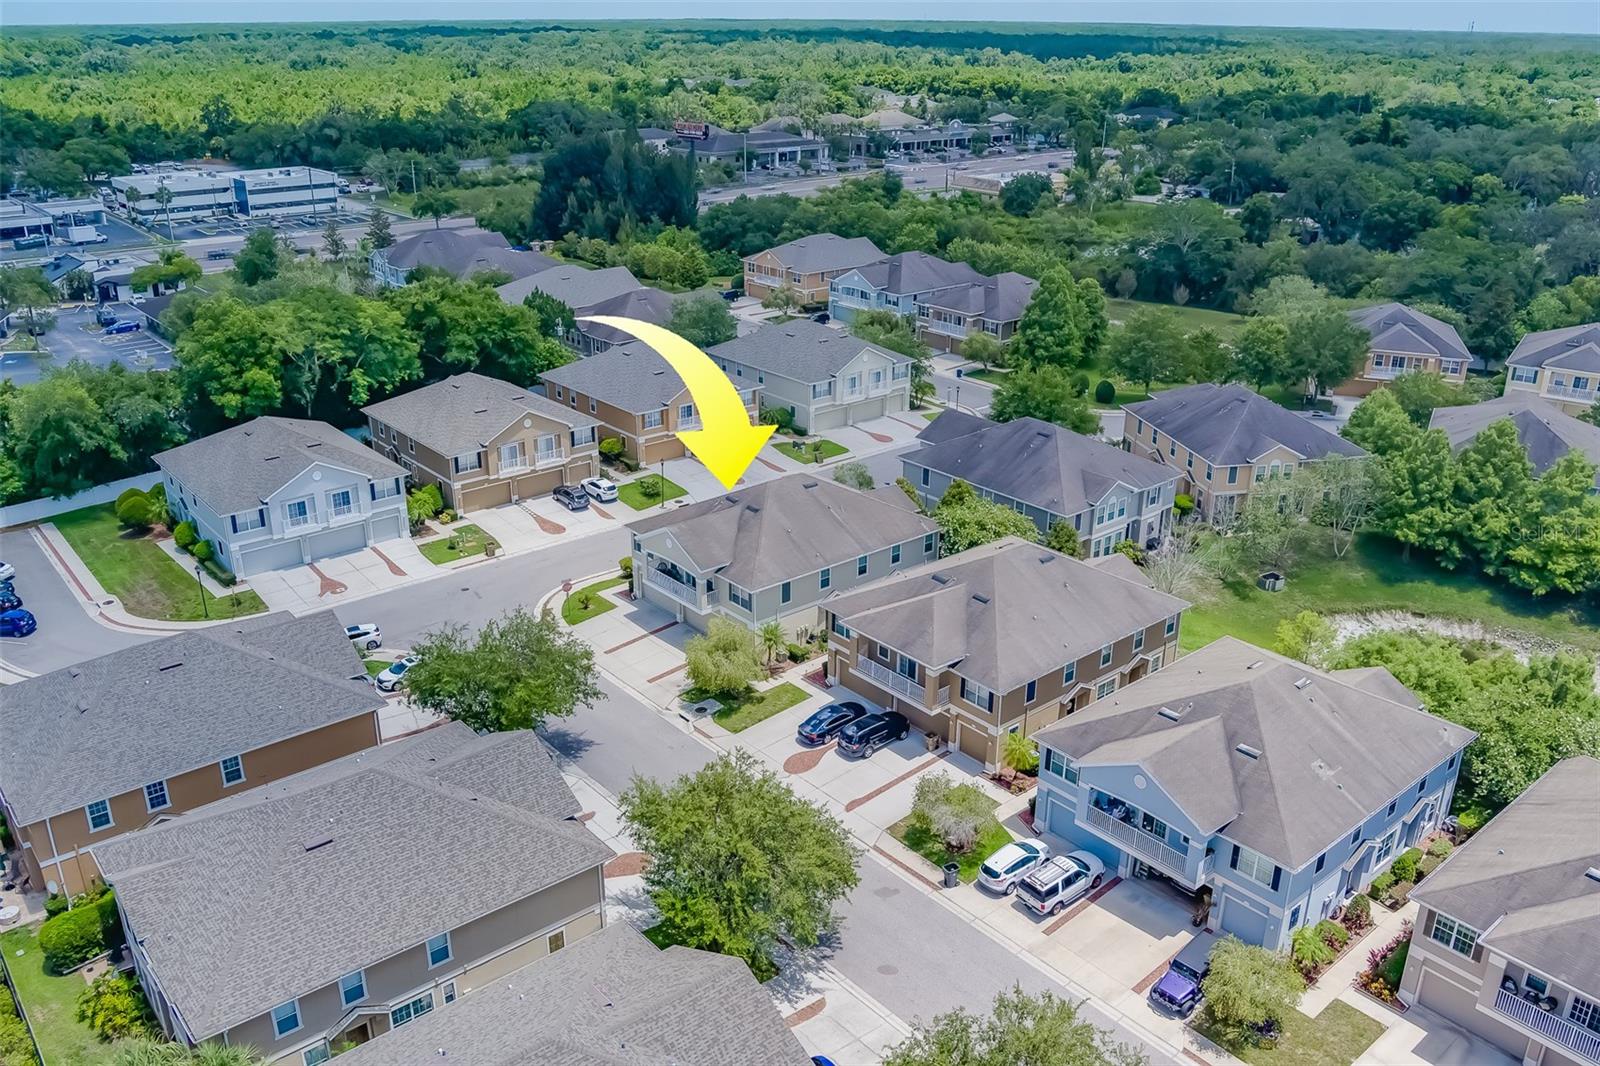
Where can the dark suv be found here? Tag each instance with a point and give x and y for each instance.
(572, 497)
(866, 735)
(826, 721)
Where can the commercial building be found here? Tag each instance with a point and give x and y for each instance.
(192, 194)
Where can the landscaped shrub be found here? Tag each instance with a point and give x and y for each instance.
(1358, 914)
(1333, 934)
(1249, 986)
(55, 904)
(611, 448)
(78, 935)
(955, 812)
(184, 536)
(625, 564)
(1440, 848)
(781, 417)
(1183, 503)
(1105, 392)
(202, 550)
(128, 494)
(1405, 865)
(219, 573)
(726, 660)
(16, 1046)
(137, 511)
(1309, 951)
(158, 493)
(1080, 384)
(1019, 753)
(447, 516)
(5, 834)
(114, 1007)
(1380, 885)
(422, 504)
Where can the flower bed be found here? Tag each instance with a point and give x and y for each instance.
(1385, 965)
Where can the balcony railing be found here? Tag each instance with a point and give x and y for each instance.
(1383, 373)
(673, 587)
(1567, 392)
(1147, 846)
(896, 682)
(1551, 1026)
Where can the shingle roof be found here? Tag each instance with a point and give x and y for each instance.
(240, 467)
(911, 272)
(1577, 347)
(1039, 463)
(155, 710)
(622, 1002)
(1544, 429)
(646, 304)
(263, 897)
(1004, 613)
(1526, 880)
(1397, 328)
(802, 350)
(773, 531)
(464, 412)
(951, 423)
(631, 377)
(1229, 425)
(464, 253)
(1001, 298)
(1333, 752)
(826, 251)
(573, 285)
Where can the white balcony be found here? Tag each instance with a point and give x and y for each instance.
(881, 675)
(1567, 392)
(673, 587)
(1149, 847)
(1550, 1027)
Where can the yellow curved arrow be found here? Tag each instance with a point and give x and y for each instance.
(728, 444)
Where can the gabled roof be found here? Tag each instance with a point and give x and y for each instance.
(146, 713)
(646, 304)
(1331, 750)
(577, 287)
(1528, 880)
(1395, 327)
(911, 272)
(1544, 429)
(260, 898)
(462, 253)
(821, 252)
(1001, 298)
(631, 377)
(1574, 347)
(1037, 462)
(1229, 425)
(802, 350)
(622, 1002)
(773, 531)
(240, 467)
(464, 412)
(1004, 613)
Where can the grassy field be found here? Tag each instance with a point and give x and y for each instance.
(141, 575)
(740, 713)
(1374, 576)
(633, 494)
(376, 666)
(801, 451)
(572, 609)
(50, 1002)
(1333, 1038)
(992, 836)
(1225, 323)
(462, 542)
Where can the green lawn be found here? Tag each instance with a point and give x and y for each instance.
(633, 494)
(931, 415)
(51, 1003)
(572, 609)
(1373, 576)
(377, 666)
(992, 376)
(141, 575)
(1395, 965)
(460, 543)
(740, 713)
(991, 838)
(801, 451)
(763, 968)
(1225, 323)
(1333, 1038)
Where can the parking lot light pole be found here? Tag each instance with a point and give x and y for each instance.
(204, 607)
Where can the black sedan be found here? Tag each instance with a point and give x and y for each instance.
(9, 600)
(826, 721)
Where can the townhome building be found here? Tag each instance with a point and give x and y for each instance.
(775, 549)
(1225, 442)
(946, 317)
(483, 441)
(823, 377)
(1048, 473)
(95, 751)
(460, 253)
(608, 291)
(636, 397)
(621, 1000)
(1546, 431)
(1281, 789)
(806, 265)
(899, 284)
(1507, 938)
(1004, 638)
(356, 898)
(1561, 366)
(1404, 340)
(281, 492)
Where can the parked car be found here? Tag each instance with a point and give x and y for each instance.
(18, 623)
(601, 488)
(366, 635)
(825, 722)
(571, 497)
(1001, 871)
(9, 600)
(866, 735)
(732, 294)
(1178, 992)
(7, 571)
(124, 326)
(219, 253)
(394, 678)
(105, 316)
(820, 316)
(1054, 884)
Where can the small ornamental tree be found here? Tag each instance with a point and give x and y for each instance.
(184, 535)
(856, 475)
(114, 1007)
(137, 511)
(954, 812)
(1249, 986)
(726, 660)
(1023, 1030)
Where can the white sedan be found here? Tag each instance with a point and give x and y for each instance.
(600, 488)
(394, 678)
(1001, 871)
(7, 571)
(366, 635)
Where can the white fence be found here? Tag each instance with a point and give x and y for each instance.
(37, 510)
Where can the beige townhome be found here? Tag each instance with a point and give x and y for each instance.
(356, 898)
(1405, 341)
(1561, 366)
(1225, 441)
(637, 397)
(96, 751)
(484, 442)
(1004, 638)
(806, 265)
(1507, 937)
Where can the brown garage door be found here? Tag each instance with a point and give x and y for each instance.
(1456, 1004)
(536, 485)
(974, 743)
(486, 496)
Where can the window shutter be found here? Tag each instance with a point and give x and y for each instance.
(1277, 874)
(1477, 952)
(1233, 863)
(261, 512)
(233, 521)
(1427, 924)
(372, 490)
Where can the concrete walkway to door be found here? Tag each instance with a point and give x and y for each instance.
(641, 645)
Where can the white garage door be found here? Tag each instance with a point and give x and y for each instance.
(279, 556)
(866, 410)
(337, 541)
(387, 528)
(832, 418)
(1443, 996)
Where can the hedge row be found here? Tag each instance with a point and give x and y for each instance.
(74, 937)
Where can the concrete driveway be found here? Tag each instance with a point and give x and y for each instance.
(641, 645)
(329, 582)
(1422, 1038)
(540, 522)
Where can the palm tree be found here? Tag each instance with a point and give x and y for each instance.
(163, 197)
(773, 639)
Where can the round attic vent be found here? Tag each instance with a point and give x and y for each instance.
(1139, 781)
(316, 475)
(527, 423)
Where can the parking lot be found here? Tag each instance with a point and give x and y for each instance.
(76, 336)
(117, 232)
(205, 228)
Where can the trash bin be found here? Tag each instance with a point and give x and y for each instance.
(952, 874)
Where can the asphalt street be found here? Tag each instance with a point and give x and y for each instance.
(66, 633)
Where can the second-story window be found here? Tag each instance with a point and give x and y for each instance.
(511, 455)
(928, 540)
(1033, 691)
(155, 796)
(686, 412)
(99, 815)
(352, 988)
(1138, 640)
(785, 593)
(1453, 934)
(341, 502)
(652, 419)
(861, 565)
(468, 462)
(438, 950)
(232, 770)
(286, 1018)
(894, 554)
(1070, 674)
(297, 513)
(826, 578)
(1172, 625)
(1105, 655)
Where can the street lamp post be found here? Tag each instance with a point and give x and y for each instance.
(204, 607)
(663, 484)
